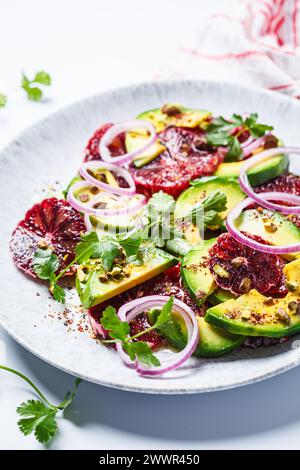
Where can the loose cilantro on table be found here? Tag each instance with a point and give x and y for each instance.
(219, 133)
(39, 416)
(3, 100)
(119, 331)
(32, 87)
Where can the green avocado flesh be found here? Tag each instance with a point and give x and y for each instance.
(205, 186)
(92, 291)
(253, 314)
(220, 295)
(196, 275)
(271, 226)
(213, 342)
(261, 173)
(187, 118)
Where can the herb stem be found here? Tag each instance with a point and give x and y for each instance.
(70, 265)
(130, 338)
(8, 369)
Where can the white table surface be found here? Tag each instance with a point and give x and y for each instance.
(89, 46)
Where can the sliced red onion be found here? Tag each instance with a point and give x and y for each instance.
(240, 237)
(248, 149)
(88, 209)
(96, 327)
(134, 308)
(88, 223)
(247, 142)
(119, 171)
(246, 187)
(118, 129)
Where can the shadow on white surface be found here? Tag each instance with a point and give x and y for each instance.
(212, 416)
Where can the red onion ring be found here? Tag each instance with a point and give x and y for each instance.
(118, 129)
(94, 165)
(97, 327)
(134, 308)
(240, 237)
(248, 149)
(87, 209)
(247, 142)
(246, 187)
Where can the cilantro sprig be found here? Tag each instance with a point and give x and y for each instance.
(119, 332)
(46, 263)
(219, 133)
(39, 416)
(32, 88)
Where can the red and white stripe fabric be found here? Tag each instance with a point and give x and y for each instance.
(255, 42)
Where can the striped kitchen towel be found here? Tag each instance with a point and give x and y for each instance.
(253, 42)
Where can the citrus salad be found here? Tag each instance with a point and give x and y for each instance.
(181, 231)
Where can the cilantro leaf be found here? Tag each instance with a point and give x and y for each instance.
(58, 293)
(215, 200)
(235, 151)
(108, 252)
(256, 129)
(111, 322)
(38, 418)
(166, 313)
(141, 351)
(91, 247)
(85, 247)
(34, 93)
(43, 78)
(3, 100)
(131, 245)
(45, 263)
(218, 133)
(161, 203)
(47, 429)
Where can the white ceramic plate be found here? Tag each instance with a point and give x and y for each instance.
(52, 150)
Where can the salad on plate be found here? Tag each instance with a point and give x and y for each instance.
(181, 233)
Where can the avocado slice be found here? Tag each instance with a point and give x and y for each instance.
(186, 118)
(204, 186)
(220, 295)
(213, 342)
(92, 291)
(137, 139)
(261, 173)
(254, 314)
(196, 275)
(271, 226)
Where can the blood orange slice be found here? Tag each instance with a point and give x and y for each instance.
(52, 223)
(239, 268)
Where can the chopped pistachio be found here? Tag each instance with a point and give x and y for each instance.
(42, 243)
(80, 275)
(291, 286)
(270, 227)
(283, 316)
(245, 315)
(269, 301)
(84, 197)
(245, 285)
(238, 261)
(220, 271)
(171, 109)
(103, 277)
